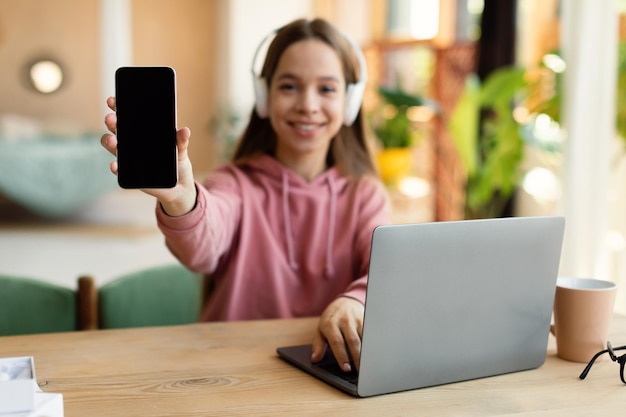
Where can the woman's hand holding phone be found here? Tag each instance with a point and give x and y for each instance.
(177, 200)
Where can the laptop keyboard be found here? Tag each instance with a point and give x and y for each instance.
(332, 367)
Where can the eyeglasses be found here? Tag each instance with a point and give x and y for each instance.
(611, 351)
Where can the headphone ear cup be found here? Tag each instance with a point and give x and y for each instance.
(354, 97)
(260, 93)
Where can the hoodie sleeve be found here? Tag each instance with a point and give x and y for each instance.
(374, 210)
(199, 238)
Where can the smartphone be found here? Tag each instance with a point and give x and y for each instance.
(145, 105)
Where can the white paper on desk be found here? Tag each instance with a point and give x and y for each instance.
(20, 395)
(18, 384)
(46, 405)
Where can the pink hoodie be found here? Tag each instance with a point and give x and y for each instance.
(275, 245)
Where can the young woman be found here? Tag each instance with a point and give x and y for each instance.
(285, 229)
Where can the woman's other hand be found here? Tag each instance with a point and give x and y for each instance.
(341, 328)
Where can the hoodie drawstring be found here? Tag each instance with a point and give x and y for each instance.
(329, 268)
(287, 218)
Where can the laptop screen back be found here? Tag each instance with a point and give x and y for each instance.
(453, 301)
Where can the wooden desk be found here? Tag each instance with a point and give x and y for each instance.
(231, 369)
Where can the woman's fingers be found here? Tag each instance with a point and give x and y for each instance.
(110, 120)
(109, 142)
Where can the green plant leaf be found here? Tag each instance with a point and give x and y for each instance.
(399, 98)
(463, 125)
(396, 132)
(501, 86)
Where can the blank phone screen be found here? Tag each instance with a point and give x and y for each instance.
(146, 127)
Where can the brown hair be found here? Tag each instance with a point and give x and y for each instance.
(349, 150)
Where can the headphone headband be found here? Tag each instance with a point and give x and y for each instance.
(354, 91)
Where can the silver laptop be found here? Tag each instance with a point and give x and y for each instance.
(449, 302)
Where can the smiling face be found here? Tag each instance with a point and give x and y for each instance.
(306, 104)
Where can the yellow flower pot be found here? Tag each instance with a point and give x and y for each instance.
(394, 163)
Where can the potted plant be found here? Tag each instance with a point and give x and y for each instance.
(396, 132)
(489, 139)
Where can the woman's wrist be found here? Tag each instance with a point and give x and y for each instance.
(180, 206)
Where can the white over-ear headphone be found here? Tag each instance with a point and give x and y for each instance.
(354, 92)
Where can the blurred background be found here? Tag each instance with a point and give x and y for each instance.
(477, 108)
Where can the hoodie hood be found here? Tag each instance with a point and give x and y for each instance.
(330, 182)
